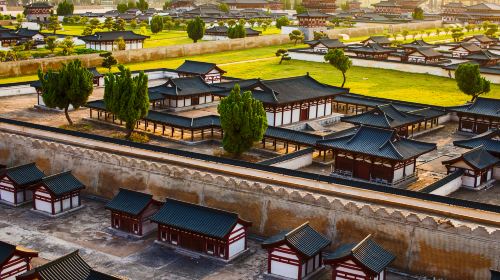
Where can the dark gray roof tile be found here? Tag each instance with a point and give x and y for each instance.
(197, 67)
(130, 202)
(24, 175)
(62, 183)
(482, 106)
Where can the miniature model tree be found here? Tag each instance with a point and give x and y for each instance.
(119, 44)
(319, 35)
(282, 21)
(196, 29)
(491, 30)
(223, 7)
(108, 23)
(340, 61)
(296, 36)
(167, 5)
(119, 24)
(122, 7)
(243, 120)
(418, 14)
(53, 24)
(50, 43)
(108, 60)
(283, 54)
(65, 8)
(142, 5)
(67, 46)
(71, 85)
(127, 97)
(156, 24)
(470, 82)
(456, 34)
(300, 9)
(237, 31)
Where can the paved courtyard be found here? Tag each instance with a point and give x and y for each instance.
(87, 230)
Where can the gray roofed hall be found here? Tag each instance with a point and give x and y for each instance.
(196, 218)
(25, 174)
(329, 43)
(418, 43)
(312, 13)
(69, 267)
(470, 47)
(427, 52)
(483, 55)
(130, 202)
(378, 142)
(484, 6)
(366, 253)
(378, 39)
(43, 4)
(371, 48)
(113, 35)
(285, 90)
(385, 116)
(478, 158)
(304, 239)
(489, 107)
(62, 183)
(182, 87)
(481, 38)
(197, 67)
(489, 140)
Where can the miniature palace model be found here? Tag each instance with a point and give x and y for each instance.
(210, 72)
(106, 41)
(295, 254)
(202, 229)
(478, 117)
(363, 260)
(16, 183)
(57, 193)
(131, 212)
(14, 260)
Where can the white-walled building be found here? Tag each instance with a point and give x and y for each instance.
(106, 41)
(15, 183)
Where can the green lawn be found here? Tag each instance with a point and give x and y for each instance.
(392, 84)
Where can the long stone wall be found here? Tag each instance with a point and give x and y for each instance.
(425, 243)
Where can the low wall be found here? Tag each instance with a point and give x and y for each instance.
(383, 28)
(446, 185)
(294, 161)
(27, 67)
(424, 241)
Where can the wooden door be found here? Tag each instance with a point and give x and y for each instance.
(304, 114)
(195, 100)
(362, 170)
(482, 127)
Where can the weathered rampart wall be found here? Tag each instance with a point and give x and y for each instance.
(424, 243)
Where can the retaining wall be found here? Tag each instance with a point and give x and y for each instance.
(424, 243)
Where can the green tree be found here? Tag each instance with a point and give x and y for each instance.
(122, 7)
(196, 29)
(53, 24)
(67, 46)
(223, 7)
(65, 8)
(456, 34)
(142, 5)
(127, 97)
(344, 6)
(418, 14)
(252, 22)
(119, 44)
(243, 120)
(220, 23)
(131, 4)
(84, 20)
(108, 60)
(319, 35)
(296, 36)
(282, 21)
(238, 31)
(169, 24)
(133, 23)
(231, 22)
(405, 34)
(156, 24)
(28, 45)
(340, 61)
(108, 23)
(50, 43)
(71, 85)
(491, 30)
(119, 24)
(283, 55)
(300, 9)
(470, 81)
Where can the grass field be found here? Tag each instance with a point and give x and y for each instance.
(262, 63)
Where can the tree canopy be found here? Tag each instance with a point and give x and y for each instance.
(127, 97)
(71, 85)
(122, 7)
(340, 61)
(296, 36)
(65, 8)
(418, 13)
(53, 24)
(283, 54)
(156, 24)
(196, 29)
(470, 81)
(243, 120)
(223, 7)
(282, 21)
(142, 5)
(237, 31)
(108, 60)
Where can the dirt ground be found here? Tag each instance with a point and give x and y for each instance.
(87, 230)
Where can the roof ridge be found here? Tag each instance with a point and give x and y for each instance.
(19, 166)
(361, 242)
(56, 175)
(58, 260)
(297, 229)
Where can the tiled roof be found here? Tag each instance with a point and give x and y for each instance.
(489, 140)
(481, 38)
(69, 267)
(385, 116)
(196, 218)
(482, 55)
(26, 174)
(454, 5)
(329, 43)
(304, 239)
(62, 183)
(418, 43)
(386, 4)
(25, 32)
(482, 106)
(197, 67)
(485, 6)
(379, 40)
(470, 47)
(6, 251)
(130, 202)
(312, 14)
(428, 52)
(371, 48)
(285, 90)
(383, 143)
(113, 35)
(478, 158)
(182, 87)
(39, 5)
(367, 252)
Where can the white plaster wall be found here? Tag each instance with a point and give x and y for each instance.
(409, 169)
(270, 118)
(7, 196)
(287, 117)
(43, 206)
(468, 181)
(16, 90)
(236, 247)
(496, 172)
(296, 163)
(279, 116)
(295, 115)
(312, 112)
(398, 173)
(285, 270)
(449, 188)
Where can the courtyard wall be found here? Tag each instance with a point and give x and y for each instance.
(422, 234)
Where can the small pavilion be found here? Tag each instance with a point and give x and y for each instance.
(478, 117)
(16, 183)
